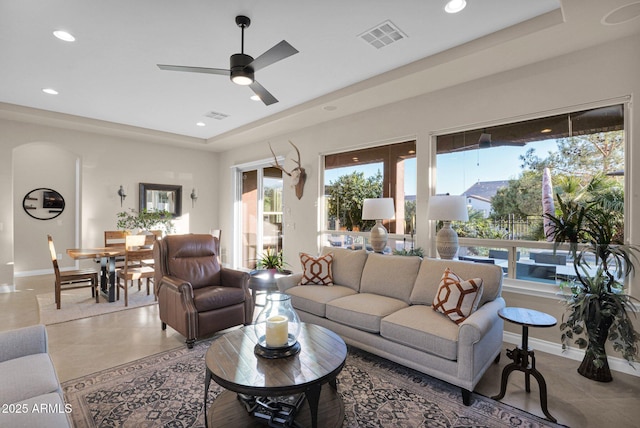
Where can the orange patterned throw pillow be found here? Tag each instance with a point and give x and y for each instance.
(316, 270)
(457, 298)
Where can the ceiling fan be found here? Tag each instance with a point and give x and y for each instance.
(485, 142)
(242, 67)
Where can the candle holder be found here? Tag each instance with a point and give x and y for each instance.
(277, 327)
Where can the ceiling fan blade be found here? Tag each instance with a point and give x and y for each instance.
(280, 51)
(204, 70)
(265, 96)
(462, 149)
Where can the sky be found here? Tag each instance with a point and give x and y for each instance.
(456, 172)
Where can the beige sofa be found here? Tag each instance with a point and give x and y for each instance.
(30, 393)
(382, 304)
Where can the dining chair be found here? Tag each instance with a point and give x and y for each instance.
(72, 279)
(134, 269)
(115, 238)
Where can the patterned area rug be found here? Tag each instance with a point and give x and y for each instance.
(167, 390)
(77, 304)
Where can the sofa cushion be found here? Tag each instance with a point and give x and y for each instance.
(314, 298)
(347, 266)
(46, 410)
(422, 328)
(27, 377)
(391, 276)
(316, 270)
(457, 298)
(363, 311)
(430, 273)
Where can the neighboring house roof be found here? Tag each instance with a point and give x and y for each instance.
(485, 190)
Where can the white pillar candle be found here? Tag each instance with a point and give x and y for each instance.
(277, 333)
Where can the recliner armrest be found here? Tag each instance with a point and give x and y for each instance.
(177, 284)
(234, 278)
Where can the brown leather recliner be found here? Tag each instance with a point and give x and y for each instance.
(196, 296)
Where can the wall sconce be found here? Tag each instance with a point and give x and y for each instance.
(122, 194)
(194, 197)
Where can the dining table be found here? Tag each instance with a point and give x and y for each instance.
(107, 256)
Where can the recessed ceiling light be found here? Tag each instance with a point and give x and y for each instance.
(546, 130)
(63, 35)
(255, 98)
(455, 6)
(50, 91)
(201, 124)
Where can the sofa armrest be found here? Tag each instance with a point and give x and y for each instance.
(234, 278)
(23, 341)
(480, 322)
(286, 282)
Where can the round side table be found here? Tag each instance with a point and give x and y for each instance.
(264, 281)
(520, 355)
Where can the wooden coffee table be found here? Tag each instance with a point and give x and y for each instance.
(232, 364)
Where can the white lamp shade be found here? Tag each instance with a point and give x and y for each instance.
(448, 208)
(378, 209)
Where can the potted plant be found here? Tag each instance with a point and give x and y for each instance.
(597, 304)
(145, 220)
(271, 260)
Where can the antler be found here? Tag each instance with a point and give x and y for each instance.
(297, 151)
(277, 165)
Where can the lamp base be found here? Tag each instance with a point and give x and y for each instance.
(447, 241)
(378, 238)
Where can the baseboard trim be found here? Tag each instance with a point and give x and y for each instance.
(615, 363)
(38, 272)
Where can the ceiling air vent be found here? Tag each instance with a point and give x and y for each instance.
(382, 35)
(216, 115)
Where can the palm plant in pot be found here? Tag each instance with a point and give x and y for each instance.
(598, 307)
(271, 260)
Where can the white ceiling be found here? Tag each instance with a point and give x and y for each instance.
(110, 72)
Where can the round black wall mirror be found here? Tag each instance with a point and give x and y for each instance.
(43, 203)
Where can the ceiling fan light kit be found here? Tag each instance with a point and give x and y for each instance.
(241, 73)
(242, 67)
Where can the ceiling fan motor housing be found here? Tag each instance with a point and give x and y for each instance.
(240, 69)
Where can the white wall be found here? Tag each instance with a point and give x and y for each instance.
(105, 163)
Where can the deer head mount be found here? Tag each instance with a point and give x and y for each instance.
(298, 174)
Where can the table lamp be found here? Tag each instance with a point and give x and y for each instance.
(378, 209)
(447, 208)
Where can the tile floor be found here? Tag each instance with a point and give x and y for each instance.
(85, 346)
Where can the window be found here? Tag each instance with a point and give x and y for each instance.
(501, 170)
(350, 177)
